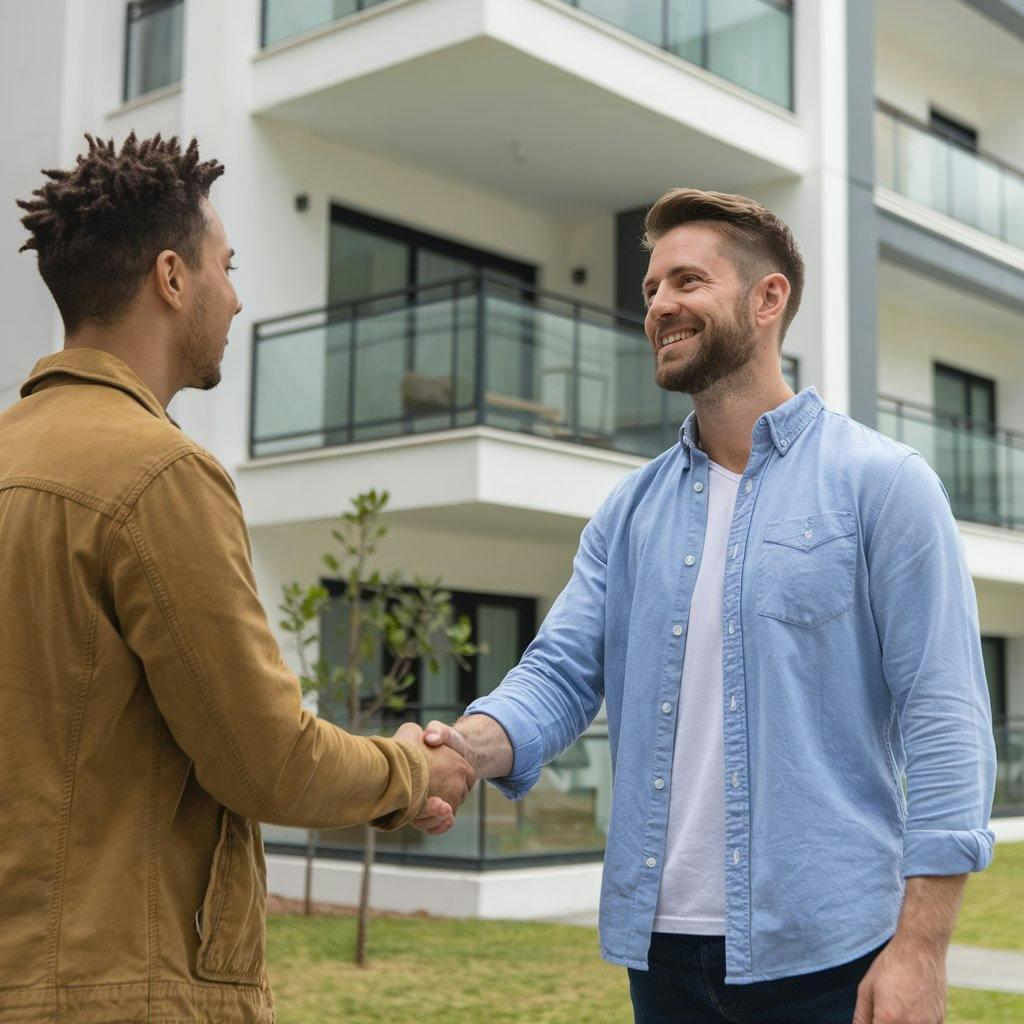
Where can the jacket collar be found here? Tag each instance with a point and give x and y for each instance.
(95, 366)
(780, 426)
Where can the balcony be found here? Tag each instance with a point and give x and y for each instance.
(971, 187)
(473, 351)
(749, 43)
(1009, 795)
(552, 82)
(981, 466)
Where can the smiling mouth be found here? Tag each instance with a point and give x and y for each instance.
(675, 337)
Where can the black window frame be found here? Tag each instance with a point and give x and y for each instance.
(953, 129)
(464, 602)
(136, 10)
(999, 685)
(967, 377)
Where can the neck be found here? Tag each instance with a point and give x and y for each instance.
(726, 418)
(149, 357)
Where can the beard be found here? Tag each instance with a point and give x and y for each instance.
(723, 350)
(200, 355)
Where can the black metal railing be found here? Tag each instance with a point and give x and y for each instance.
(971, 186)
(980, 465)
(1009, 736)
(474, 350)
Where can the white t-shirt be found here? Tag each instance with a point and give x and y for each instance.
(691, 900)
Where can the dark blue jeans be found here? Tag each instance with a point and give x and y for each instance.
(686, 985)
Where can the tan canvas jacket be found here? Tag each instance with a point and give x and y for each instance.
(147, 719)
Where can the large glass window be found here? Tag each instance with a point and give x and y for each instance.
(967, 451)
(565, 816)
(153, 45)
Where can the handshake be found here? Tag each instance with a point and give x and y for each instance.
(452, 773)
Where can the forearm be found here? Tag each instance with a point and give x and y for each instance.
(930, 907)
(489, 750)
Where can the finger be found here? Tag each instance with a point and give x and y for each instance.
(862, 1012)
(442, 828)
(410, 732)
(429, 824)
(436, 734)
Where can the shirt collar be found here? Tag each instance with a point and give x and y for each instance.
(95, 366)
(781, 425)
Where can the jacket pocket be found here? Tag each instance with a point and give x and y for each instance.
(807, 568)
(233, 922)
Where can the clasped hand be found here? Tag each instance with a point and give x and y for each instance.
(451, 776)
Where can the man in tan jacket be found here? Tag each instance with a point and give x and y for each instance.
(147, 719)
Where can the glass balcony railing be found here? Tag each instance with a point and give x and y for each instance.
(981, 466)
(563, 819)
(285, 18)
(926, 166)
(748, 42)
(1009, 798)
(471, 351)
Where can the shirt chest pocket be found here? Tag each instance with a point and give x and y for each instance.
(807, 568)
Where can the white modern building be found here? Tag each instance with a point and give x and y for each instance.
(436, 205)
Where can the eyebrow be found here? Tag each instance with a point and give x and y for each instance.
(682, 268)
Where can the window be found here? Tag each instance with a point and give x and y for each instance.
(504, 624)
(966, 448)
(153, 45)
(954, 130)
(993, 651)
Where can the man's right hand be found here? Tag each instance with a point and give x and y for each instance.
(451, 779)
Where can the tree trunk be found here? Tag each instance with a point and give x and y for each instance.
(308, 894)
(369, 850)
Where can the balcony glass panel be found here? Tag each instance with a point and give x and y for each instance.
(748, 42)
(981, 467)
(284, 18)
(975, 189)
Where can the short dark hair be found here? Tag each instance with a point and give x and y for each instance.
(756, 241)
(98, 228)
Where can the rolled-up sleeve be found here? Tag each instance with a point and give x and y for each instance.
(546, 702)
(926, 614)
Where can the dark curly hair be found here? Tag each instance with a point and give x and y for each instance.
(753, 237)
(98, 228)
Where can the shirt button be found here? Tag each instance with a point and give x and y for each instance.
(650, 862)
(677, 630)
(659, 783)
(689, 559)
(735, 780)
(698, 487)
(748, 486)
(807, 534)
(783, 444)
(666, 708)
(735, 856)
(732, 628)
(732, 703)
(735, 548)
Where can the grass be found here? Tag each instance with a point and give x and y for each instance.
(499, 972)
(993, 910)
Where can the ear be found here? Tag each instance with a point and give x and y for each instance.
(171, 276)
(772, 294)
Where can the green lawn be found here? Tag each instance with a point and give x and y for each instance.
(498, 972)
(993, 910)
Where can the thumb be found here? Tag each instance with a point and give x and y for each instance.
(437, 734)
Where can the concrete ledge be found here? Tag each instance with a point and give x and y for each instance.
(523, 894)
(1008, 830)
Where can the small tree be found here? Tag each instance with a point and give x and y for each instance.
(411, 622)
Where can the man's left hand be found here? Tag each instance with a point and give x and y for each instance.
(906, 984)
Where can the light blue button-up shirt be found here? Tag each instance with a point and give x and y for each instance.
(855, 657)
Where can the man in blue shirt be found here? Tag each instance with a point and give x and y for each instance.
(779, 618)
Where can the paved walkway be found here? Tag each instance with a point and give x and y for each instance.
(997, 970)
